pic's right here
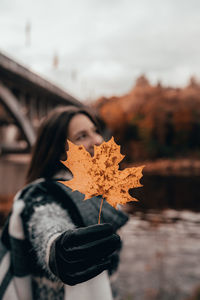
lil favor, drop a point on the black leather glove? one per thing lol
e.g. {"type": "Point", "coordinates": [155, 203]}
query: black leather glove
{"type": "Point", "coordinates": [81, 254]}
{"type": "Point", "coordinates": [114, 260]}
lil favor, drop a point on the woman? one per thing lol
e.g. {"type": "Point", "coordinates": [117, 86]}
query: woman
{"type": "Point", "coordinates": [57, 250]}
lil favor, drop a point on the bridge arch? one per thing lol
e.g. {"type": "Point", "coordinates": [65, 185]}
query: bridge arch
{"type": "Point", "coordinates": [11, 104]}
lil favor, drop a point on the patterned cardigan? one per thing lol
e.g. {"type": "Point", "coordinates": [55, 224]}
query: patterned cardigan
{"type": "Point", "coordinates": [41, 211]}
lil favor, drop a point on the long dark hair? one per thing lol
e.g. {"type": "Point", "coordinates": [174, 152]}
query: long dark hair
{"type": "Point", "coordinates": [51, 140]}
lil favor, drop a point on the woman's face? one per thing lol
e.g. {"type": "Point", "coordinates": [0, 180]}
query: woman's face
{"type": "Point", "coordinates": [82, 131]}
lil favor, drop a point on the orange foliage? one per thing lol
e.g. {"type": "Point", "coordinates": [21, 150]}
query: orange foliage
{"type": "Point", "coordinates": [163, 121]}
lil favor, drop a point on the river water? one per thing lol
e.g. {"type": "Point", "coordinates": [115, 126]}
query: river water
{"type": "Point", "coordinates": [160, 258]}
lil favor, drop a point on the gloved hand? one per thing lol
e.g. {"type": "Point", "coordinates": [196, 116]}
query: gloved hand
{"type": "Point", "coordinates": [81, 254]}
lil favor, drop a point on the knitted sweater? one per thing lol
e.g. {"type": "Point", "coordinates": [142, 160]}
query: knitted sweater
{"type": "Point", "coordinates": [48, 209]}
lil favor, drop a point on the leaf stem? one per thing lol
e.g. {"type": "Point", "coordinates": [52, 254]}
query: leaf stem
{"type": "Point", "coordinates": [100, 210]}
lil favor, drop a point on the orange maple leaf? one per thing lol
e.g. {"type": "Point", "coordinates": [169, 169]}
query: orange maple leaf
{"type": "Point", "coordinates": [100, 174]}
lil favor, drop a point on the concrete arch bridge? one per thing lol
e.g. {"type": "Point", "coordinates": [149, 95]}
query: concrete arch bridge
{"type": "Point", "coordinates": [25, 98]}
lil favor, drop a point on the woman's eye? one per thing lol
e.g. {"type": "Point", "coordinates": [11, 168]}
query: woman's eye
{"type": "Point", "coordinates": [82, 136]}
{"type": "Point", "coordinates": [97, 131]}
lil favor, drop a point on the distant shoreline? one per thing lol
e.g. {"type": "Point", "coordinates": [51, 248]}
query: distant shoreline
{"type": "Point", "coordinates": [169, 167]}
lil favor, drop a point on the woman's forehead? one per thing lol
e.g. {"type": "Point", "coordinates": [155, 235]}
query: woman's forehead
{"type": "Point", "coordinates": [80, 122]}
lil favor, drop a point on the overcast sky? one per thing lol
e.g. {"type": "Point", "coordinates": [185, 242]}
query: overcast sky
{"type": "Point", "coordinates": [104, 45]}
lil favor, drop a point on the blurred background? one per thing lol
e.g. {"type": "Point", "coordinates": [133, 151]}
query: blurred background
{"type": "Point", "coordinates": [137, 64]}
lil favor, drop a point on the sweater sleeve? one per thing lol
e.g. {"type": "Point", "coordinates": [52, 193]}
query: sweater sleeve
{"type": "Point", "coordinates": [44, 219]}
